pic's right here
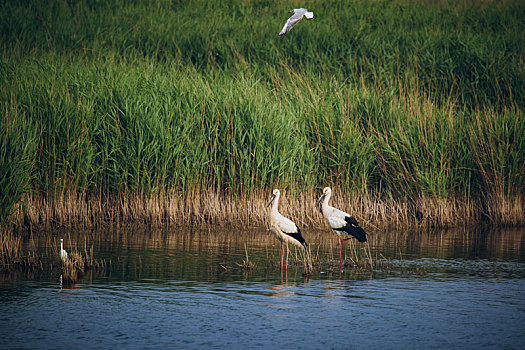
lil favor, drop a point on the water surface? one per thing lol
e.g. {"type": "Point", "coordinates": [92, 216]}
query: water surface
{"type": "Point", "coordinates": [184, 289]}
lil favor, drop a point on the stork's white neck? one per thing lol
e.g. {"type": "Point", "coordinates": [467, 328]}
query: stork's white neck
{"type": "Point", "coordinates": [275, 204]}
{"type": "Point", "coordinates": [325, 207]}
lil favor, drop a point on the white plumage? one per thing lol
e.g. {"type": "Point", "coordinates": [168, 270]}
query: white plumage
{"type": "Point", "coordinates": [63, 253]}
{"type": "Point", "coordinates": [342, 223]}
{"type": "Point", "coordinates": [298, 15]}
{"type": "Point", "coordinates": [283, 228]}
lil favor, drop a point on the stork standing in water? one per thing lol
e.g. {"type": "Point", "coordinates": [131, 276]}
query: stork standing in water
{"type": "Point", "coordinates": [63, 253]}
{"type": "Point", "coordinates": [342, 223]}
{"type": "Point", "coordinates": [283, 228]}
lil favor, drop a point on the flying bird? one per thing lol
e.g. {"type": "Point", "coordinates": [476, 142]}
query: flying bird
{"type": "Point", "coordinates": [342, 223]}
{"type": "Point", "coordinates": [298, 15]}
{"type": "Point", "coordinates": [283, 228]}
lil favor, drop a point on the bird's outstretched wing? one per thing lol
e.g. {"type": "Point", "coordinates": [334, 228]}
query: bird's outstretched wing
{"type": "Point", "coordinates": [287, 26]}
{"type": "Point", "coordinates": [296, 17]}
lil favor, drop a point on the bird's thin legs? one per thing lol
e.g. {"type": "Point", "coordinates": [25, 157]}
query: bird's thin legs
{"type": "Point", "coordinates": [343, 240]}
{"type": "Point", "coordinates": [340, 244]}
{"type": "Point", "coordinates": [340, 255]}
{"type": "Point", "coordinates": [282, 255]}
{"type": "Point", "coordinates": [287, 252]}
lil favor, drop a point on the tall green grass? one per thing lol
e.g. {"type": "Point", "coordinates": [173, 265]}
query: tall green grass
{"type": "Point", "coordinates": [391, 99]}
{"type": "Point", "coordinates": [467, 49]}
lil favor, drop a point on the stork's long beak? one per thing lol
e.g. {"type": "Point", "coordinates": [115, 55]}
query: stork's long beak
{"type": "Point", "coordinates": [319, 200]}
{"type": "Point", "coordinates": [271, 200]}
{"type": "Point", "coordinates": [291, 11]}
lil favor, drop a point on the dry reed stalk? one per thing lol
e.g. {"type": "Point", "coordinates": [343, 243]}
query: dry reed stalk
{"type": "Point", "coordinates": [201, 207]}
{"type": "Point", "coordinates": [76, 265]}
{"type": "Point", "coordinates": [11, 253]}
{"type": "Point", "coordinates": [10, 247]}
{"type": "Point", "coordinates": [246, 264]}
{"type": "Point", "coordinates": [72, 268]}
{"type": "Point", "coordinates": [308, 263]}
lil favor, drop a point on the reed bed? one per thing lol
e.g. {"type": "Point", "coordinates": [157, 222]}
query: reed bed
{"type": "Point", "coordinates": [76, 265]}
{"type": "Point", "coordinates": [188, 113]}
{"type": "Point", "coordinates": [202, 208]}
{"type": "Point", "coordinates": [11, 256]}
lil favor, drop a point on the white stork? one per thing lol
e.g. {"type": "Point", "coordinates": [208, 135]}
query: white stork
{"type": "Point", "coordinates": [298, 15]}
{"type": "Point", "coordinates": [283, 228]}
{"type": "Point", "coordinates": [63, 253]}
{"type": "Point", "coordinates": [342, 223]}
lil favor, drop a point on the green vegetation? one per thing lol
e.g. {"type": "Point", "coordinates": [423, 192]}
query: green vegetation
{"type": "Point", "coordinates": [387, 99]}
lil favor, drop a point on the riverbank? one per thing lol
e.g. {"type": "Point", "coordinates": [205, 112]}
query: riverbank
{"type": "Point", "coordinates": [208, 208]}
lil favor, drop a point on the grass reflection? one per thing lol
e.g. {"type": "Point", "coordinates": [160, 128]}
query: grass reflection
{"type": "Point", "coordinates": [218, 254]}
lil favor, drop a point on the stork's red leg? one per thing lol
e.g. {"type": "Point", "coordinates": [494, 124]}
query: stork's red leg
{"type": "Point", "coordinates": [340, 255]}
{"type": "Point", "coordinates": [282, 255]}
{"type": "Point", "coordinates": [287, 252]}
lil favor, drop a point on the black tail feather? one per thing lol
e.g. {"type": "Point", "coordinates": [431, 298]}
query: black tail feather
{"type": "Point", "coordinates": [352, 228]}
{"type": "Point", "coordinates": [298, 236]}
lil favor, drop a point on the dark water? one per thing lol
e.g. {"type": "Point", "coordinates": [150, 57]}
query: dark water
{"type": "Point", "coordinates": [172, 288]}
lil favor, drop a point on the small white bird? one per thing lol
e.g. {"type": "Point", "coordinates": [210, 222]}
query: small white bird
{"type": "Point", "coordinates": [342, 223]}
{"type": "Point", "coordinates": [63, 253]}
{"type": "Point", "coordinates": [298, 15]}
{"type": "Point", "coordinates": [283, 228]}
